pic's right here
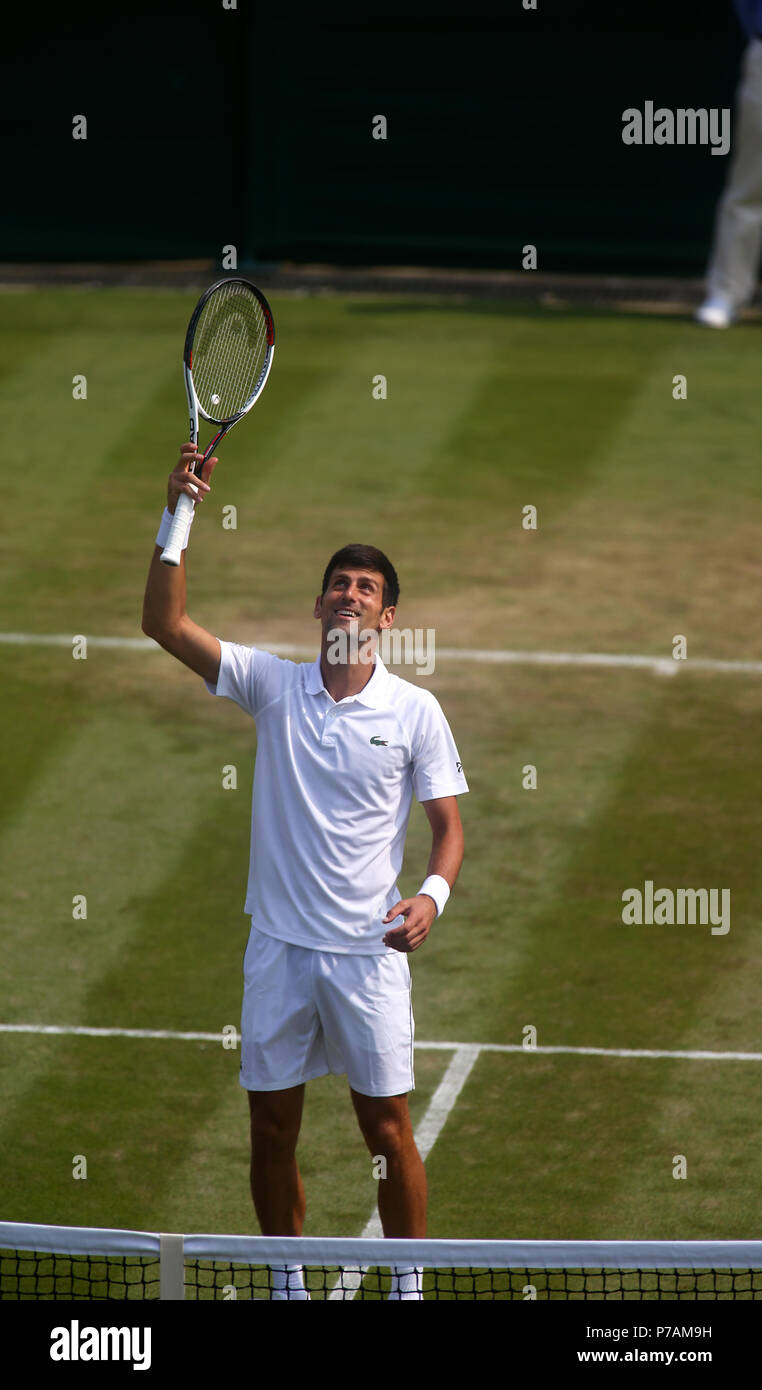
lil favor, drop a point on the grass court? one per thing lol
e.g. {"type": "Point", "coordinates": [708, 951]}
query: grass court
{"type": "Point", "coordinates": [648, 527]}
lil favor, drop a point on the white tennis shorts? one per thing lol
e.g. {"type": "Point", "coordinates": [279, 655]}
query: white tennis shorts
{"type": "Point", "coordinates": [306, 1013]}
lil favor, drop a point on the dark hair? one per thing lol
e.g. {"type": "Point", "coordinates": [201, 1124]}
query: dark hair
{"type": "Point", "coordinates": [366, 557]}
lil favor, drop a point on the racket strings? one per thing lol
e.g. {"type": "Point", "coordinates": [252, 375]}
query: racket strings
{"type": "Point", "coordinates": [229, 351]}
{"type": "Point", "coordinates": [245, 367]}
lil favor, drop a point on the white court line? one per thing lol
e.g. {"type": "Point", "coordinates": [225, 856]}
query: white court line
{"type": "Point", "coordinates": [110, 1032]}
{"type": "Point", "coordinates": [662, 665]}
{"type": "Point", "coordinates": [426, 1136]}
{"type": "Point", "coordinates": [691, 1056]}
{"type": "Point", "coordinates": [58, 639]}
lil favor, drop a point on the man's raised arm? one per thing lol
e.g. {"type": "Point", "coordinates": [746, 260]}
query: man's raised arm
{"type": "Point", "coordinates": [164, 615]}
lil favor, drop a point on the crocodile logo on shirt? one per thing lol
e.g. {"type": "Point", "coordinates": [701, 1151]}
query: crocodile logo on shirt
{"type": "Point", "coordinates": [380, 742]}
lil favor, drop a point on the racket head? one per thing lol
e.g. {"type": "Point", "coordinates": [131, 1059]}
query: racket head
{"type": "Point", "coordinates": [229, 349]}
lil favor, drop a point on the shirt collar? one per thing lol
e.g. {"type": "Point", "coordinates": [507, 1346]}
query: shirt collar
{"type": "Point", "coordinates": [371, 695]}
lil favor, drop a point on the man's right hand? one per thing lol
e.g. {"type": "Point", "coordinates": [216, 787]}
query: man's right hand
{"type": "Point", "coordinates": [182, 479]}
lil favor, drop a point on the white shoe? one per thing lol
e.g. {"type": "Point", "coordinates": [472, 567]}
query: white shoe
{"type": "Point", "coordinates": [287, 1282]}
{"type": "Point", "coordinates": [407, 1284]}
{"type": "Point", "coordinates": [716, 312]}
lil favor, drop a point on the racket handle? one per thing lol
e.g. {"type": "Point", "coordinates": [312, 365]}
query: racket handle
{"type": "Point", "coordinates": [172, 551]}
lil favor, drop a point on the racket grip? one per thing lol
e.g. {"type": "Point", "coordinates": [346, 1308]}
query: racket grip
{"type": "Point", "coordinates": [172, 551]}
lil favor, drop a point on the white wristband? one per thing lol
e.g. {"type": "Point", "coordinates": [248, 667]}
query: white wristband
{"type": "Point", "coordinates": [166, 522]}
{"type": "Point", "coordinates": [437, 888]}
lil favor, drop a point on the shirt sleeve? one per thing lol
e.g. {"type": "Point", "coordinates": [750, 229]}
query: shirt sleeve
{"type": "Point", "coordinates": [248, 676]}
{"type": "Point", "coordinates": [437, 768]}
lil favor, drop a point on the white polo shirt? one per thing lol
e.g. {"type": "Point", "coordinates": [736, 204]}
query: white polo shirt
{"type": "Point", "coordinates": [333, 787]}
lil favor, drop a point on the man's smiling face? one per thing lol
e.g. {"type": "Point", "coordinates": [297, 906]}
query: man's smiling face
{"type": "Point", "coordinates": [354, 596]}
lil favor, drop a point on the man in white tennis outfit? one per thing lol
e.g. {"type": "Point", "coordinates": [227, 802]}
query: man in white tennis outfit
{"type": "Point", "coordinates": [342, 747]}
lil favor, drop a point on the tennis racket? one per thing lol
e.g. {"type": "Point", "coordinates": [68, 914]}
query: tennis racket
{"type": "Point", "coordinates": [228, 354]}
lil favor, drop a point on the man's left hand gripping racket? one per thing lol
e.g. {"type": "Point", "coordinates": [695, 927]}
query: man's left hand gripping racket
{"type": "Point", "coordinates": [228, 354]}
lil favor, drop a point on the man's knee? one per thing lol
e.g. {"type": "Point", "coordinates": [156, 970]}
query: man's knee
{"type": "Point", "coordinates": [385, 1124]}
{"type": "Point", "coordinates": [275, 1122]}
{"type": "Point", "coordinates": [388, 1137]}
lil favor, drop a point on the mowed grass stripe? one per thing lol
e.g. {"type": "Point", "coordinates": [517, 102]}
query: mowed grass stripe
{"type": "Point", "coordinates": [568, 1148]}
{"type": "Point", "coordinates": [679, 811]}
{"type": "Point", "coordinates": [34, 733]}
{"type": "Point", "coordinates": [15, 349]}
{"type": "Point", "coordinates": [102, 820]}
{"type": "Point", "coordinates": [513, 446]}
{"type": "Point", "coordinates": [161, 851]}
{"type": "Point", "coordinates": [540, 432]}
{"type": "Point", "coordinates": [702, 986]}
{"type": "Point", "coordinates": [127, 348]}
{"type": "Point", "coordinates": [636, 779]}
{"type": "Point", "coordinates": [58, 440]}
{"type": "Point", "coordinates": [58, 556]}
{"type": "Point", "coordinates": [128, 1111]}
{"type": "Point", "coordinates": [629, 548]}
{"type": "Point", "coordinates": [165, 931]}
{"type": "Point", "coordinates": [686, 1112]}
{"type": "Point", "coordinates": [663, 539]}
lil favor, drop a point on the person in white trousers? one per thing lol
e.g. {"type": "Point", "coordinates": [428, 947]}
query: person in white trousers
{"type": "Point", "coordinates": [731, 276]}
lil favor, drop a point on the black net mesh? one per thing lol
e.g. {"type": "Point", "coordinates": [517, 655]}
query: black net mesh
{"type": "Point", "coordinates": [26, 1274]}
{"type": "Point", "coordinates": [42, 1275]}
{"type": "Point", "coordinates": [211, 1279]}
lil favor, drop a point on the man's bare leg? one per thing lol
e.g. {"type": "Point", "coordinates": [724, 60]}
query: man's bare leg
{"type": "Point", "coordinates": [276, 1184]}
{"type": "Point", "coordinates": [386, 1128]}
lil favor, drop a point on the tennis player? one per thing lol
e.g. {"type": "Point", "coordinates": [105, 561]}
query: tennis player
{"type": "Point", "coordinates": [342, 746]}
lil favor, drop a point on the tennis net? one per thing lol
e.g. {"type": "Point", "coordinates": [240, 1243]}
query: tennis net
{"type": "Point", "coordinates": [81, 1263]}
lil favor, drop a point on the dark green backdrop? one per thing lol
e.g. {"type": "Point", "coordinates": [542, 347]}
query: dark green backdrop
{"type": "Point", "coordinates": [252, 126]}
